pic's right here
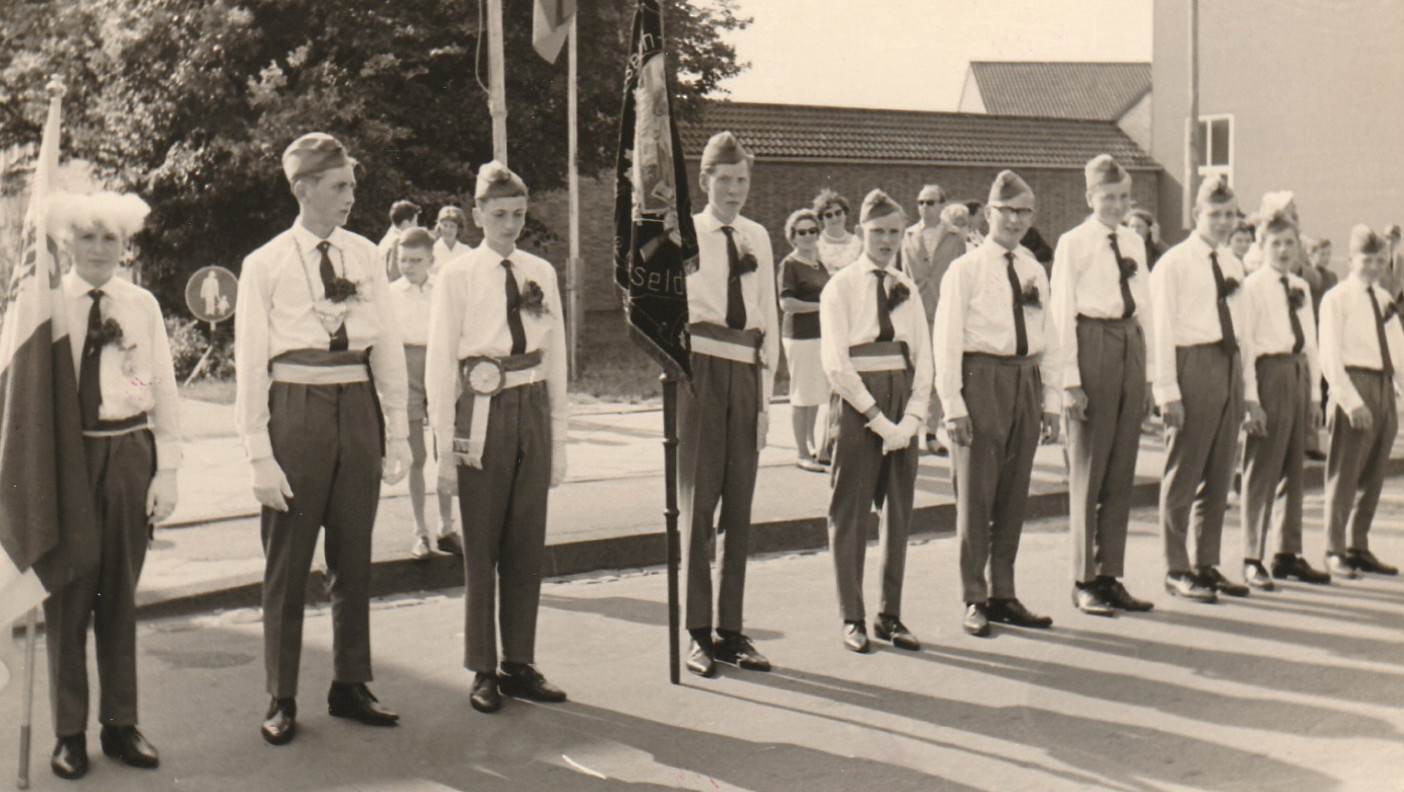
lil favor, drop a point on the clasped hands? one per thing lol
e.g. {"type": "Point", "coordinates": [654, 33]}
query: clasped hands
{"type": "Point", "coordinates": [895, 436]}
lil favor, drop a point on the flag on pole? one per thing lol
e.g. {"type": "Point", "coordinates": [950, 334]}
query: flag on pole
{"type": "Point", "coordinates": [48, 530]}
{"type": "Point", "coordinates": [550, 24]}
{"type": "Point", "coordinates": [655, 244]}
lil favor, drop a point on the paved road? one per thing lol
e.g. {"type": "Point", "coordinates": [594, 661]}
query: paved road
{"type": "Point", "coordinates": [1302, 689]}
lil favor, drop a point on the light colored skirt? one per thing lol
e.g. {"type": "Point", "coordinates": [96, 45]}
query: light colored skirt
{"type": "Point", "coordinates": [808, 385]}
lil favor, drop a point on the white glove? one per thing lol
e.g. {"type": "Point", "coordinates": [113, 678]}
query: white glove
{"type": "Point", "coordinates": [161, 497]}
{"type": "Point", "coordinates": [887, 430]}
{"type": "Point", "coordinates": [397, 461]}
{"type": "Point", "coordinates": [448, 475]}
{"type": "Point", "coordinates": [270, 486]}
{"type": "Point", "coordinates": [762, 429]}
{"type": "Point", "coordinates": [558, 464]}
{"type": "Point", "coordinates": [906, 430]}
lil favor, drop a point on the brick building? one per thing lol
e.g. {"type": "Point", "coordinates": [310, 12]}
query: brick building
{"type": "Point", "coordinates": [800, 149]}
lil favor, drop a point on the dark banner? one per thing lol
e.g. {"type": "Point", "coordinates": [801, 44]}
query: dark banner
{"type": "Point", "coordinates": [655, 244]}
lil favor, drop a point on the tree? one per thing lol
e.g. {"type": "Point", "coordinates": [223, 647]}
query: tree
{"type": "Point", "coordinates": [191, 102]}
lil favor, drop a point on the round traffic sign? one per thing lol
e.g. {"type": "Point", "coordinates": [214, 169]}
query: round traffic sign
{"type": "Point", "coordinates": [211, 294]}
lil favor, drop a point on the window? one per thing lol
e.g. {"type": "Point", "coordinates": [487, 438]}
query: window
{"type": "Point", "coordinates": [1216, 154]}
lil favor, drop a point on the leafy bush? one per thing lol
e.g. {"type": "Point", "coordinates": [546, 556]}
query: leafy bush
{"type": "Point", "coordinates": [189, 340]}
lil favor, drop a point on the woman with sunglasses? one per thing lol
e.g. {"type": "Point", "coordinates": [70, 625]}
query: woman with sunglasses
{"type": "Point", "coordinates": [837, 247]}
{"type": "Point", "coordinates": [802, 278]}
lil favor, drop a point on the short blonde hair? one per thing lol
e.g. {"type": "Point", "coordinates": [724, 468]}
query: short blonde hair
{"type": "Point", "coordinates": [124, 213]}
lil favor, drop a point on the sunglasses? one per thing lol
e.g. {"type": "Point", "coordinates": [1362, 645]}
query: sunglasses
{"type": "Point", "coordinates": [832, 213]}
{"type": "Point", "coordinates": [806, 232]}
{"type": "Point", "coordinates": [927, 202]}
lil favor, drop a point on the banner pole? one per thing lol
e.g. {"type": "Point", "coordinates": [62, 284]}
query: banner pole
{"type": "Point", "coordinates": [30, 627]}
{"type": "Point", "coordinates": [670, 516]}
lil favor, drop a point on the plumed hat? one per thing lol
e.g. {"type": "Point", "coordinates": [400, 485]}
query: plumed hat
{"type": "Point", "coordinates": [496, 180]}
{"type": "Point", "coordinates": [1364, 239]}
{"type": "Point", "coordinates": [1214, 190]}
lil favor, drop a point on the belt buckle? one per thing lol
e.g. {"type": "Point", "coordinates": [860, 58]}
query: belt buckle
{"type": "Point", "coordinates": [485, 377]}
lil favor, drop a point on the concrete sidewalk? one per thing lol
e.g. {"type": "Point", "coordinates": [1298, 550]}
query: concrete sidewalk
{"type": "Point", "coordinates": [1299, 690]}
{"type": "Point", "coordinates": [608, 514]}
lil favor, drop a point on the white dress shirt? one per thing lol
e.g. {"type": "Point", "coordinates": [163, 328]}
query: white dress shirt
{"type": "Point", "coordinates": [976, 315]}
{"type": "Point", "coordinates": [839, 253]}
{"type": "Point", "coordinates": [443, 254]}
{"type": "Point", "coordinates": [848, 315]}
{"type": "Point", "coordinates": [412, 304]}
{"type": "Point", "coordinates": [1349, 339]}
{"type": "Point", "coordinates": [386, 247]}
{"type": "Point", "coordinates": [706, 288]}
{"type": "Point", "coordinates": [278, 289]}
{"type": "Point", "coordinates": [1087, 282]}
{"type": "Point", "coordinates": [138, 376]}
{"type": "Point", "coordinates": [1267, 327]}
{"type": "Point", "coordinates": [1185, 307]}
{"type": "Point", "coordinates": [469, 319]}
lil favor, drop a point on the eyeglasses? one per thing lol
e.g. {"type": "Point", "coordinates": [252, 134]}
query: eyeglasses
{"type": "Point", "coordinates": [927, 202]}
{"type": "Point", "coordinates": [832, 213]}
{"type": "Point", "coordinates": [1014, 212]}
{"type": "Point", "coordinates": [806, 232]}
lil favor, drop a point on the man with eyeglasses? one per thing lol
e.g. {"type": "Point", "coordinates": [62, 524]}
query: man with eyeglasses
{"type": "Point", "coordinates": [928, 248]}
{"type": "Point", "coordinates": [997, 366]}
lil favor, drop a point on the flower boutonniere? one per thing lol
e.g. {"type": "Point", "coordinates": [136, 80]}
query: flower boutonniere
{"type": "Point", "coordinates": [533, 299]}
{"type": "Point", "coordinates": [1128, 267]}
{"type": "Point", "coordinates": [1296, 298]}
{"type": "Point", "coordinates": [897, 295]}
{"type": "Point", "coordinates": [746, 264]}
{"type": "Point", "coordinates": [1230, 286]}
{"type": "Point", "coordinates": [1030, 297]}
{"type": "Point", "coordinates": [1390, 310]}
{"type": "Point", "coordinates": [342, 290]}
{"type": "Point", "coordinates": [109, 333]}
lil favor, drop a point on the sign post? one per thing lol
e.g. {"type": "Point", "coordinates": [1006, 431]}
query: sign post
{"type": "Point", "coordinates": [210, 294]}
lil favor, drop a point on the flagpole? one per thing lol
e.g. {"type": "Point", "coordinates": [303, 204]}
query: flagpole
{"type": "Point", "coordinates": [670, 520]}
{"type": "Point", "coordinates": [573, 263]}
{"type": "Point", "coordinates": [30, 620]}
{"type": "Point", "coordinates": [497, 84]}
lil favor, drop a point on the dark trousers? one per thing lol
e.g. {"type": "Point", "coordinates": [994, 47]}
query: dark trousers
{"type": "Point", "coordinates": [503, 507]}
{"type": "Point", "coordinates": [1102, 450]}
{"type": "Point", "coordinates": [991, 475]}
{"type": "Point", "coordinates": [1200, 459]}
{"type": "Point", "coordinates": [1356, 462]}
{"type": "Point", "coordinates": [717, 459]}
{"type": "Point", "coordinates": [1273, 463]}
{"type": "Point", "coordinates": [865, 478]}
{"type": "Point", "coordinates": [120, 470]}
{"type": "Point", "coordinates": [327, 440]}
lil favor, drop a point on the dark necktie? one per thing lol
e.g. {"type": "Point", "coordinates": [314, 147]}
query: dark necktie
{"type": "Point", "coordinates": [1298, 336]}
{"type": "Point", "coordinates": [885, 331]}
{"type": "Point", "coordinates": [1021, 333]}
{"type": "Point", "coordinates": [1229, 339]}
{"type": "Point", "coordinates": [1386, 362]}
{"type": "Point", "coordinates": [735, 302]}
{"type": "Point", "coordinates": [1123, 266]}
{"type": "Point", "coordinates": [514, 310]}
{"type": "Point", "coordinates": [339, 342]}
{"type": "Point", "coordinates": [89, 375]}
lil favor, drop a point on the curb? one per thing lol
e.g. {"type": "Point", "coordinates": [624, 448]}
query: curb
{"type": "Point", "coordinates": [404, 575]}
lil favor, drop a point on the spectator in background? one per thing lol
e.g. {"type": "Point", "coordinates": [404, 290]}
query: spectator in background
{"type": "Point", "coordinates": [1143, 223]}
{"type": "Point", "coordinates": [1319, 256]}
{"type": "Point", "coordinates": [979, 225]}
{"type": "Point", "coordinates": [802, 278]}
{"type": "Point", "coordinates": [1034, 242]}
{"type": "Point", "coordinates": [1241, 240]}
{"type": "Point", "coordinates": [837, 247]}
{"type": "Point", "coordinates": [1392, 276]}
{"type": "Point", "coordinates": [928, 248]}
{"type": "Point", "coordinates": [404, 215]}
{"type": "Point", "coordinates": [449, 247]}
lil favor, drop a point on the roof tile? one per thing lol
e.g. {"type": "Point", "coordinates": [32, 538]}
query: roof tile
{"type": "Point", "coordinates": [1102, 91]}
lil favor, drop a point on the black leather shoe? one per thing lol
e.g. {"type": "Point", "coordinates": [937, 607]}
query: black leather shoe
{"type": "Point", "coordinates": [525, 682]}
{"type": "Point", "coordinates": [1212, 578]}
{"type": "Point", "coordinates": [1365, 561]}
{"type": "Point", "coordinates": [1256, 575]}
{"type": "Point", "coordinates": [855, 637]}
{"type": "Point", "coordinates": [1089, 599]}
{"type": "Point", "coordinates": [891, 628]}
{"type": "Point", "coordinates": [355, 701]}
{"type": "Point", "coordinates": [485, 696]}
{"type": "Point", "coordinates": [70, 759]}
{"type": "Point", "coordinates": [736, 649]}
{"type": "Point", "coordinates": [1118, 597]}
{"type": "Point", "coordinates": [280, 724]}
{"type": "Point", "coordinates": [1013, 612]}
{"type": "Point", "coordinates": [701, 659]}
{"type": "Point", "coordinates": [1188, 585]}
{"type": "Point", "coordinates": [1293, 567]}
{"type": "Point", "coordinates": [1341, 566]}
{"type": "Point", "coordinates": [129, 745]}
{"type": "Point", "coordinates": [976, 621]}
